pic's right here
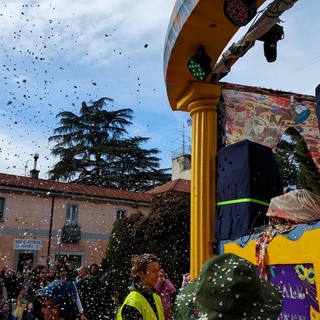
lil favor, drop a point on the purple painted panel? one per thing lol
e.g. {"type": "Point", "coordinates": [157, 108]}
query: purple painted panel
{"type": "Point", "coordinates": [298, 288]}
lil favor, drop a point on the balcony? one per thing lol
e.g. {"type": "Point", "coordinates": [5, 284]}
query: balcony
{"type": "Point", "coordinates": [71, 234]}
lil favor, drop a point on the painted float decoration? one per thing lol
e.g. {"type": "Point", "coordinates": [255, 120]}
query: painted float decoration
{"type": "Point", "coordinates": [288, 251]}
{"type": "Point", "coordinates": [261, 115]}
{"type": "Point", "coordinates": [293, 261]}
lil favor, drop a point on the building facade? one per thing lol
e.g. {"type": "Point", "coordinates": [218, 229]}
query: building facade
{"type": "Point", "coordinates": [42, 220]}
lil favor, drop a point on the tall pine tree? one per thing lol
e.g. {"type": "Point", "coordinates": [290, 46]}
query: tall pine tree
{"type": "Point", "coordinates": [94, 149]}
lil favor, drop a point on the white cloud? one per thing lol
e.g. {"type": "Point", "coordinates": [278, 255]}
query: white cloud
{"type": "Point", "coordinates": [97, 49]}
{"type": "Point", "coordinates": [59, 54]}
{"type": "Point", "coordinates": [297, 63]}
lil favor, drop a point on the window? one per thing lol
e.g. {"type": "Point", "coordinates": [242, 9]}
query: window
{"type": "Point", "coordinates": [2, 201]}
{"type": "Point", "coordinates": [72, 215]}
{"type": "Point", "coordinates": [186, 162]}
{"type": "Point", "coordinates": [121, 214]}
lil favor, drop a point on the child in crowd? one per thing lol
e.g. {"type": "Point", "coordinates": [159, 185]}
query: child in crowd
{"type": "Point", "coordinates": [6, 311]}
{"type": "Point", "coordinates": [28, 314]}
{"type": "Point", "coordinates": [56, 301]}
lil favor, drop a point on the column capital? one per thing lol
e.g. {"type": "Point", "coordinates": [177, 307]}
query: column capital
{"type": "Point", "coordinates": [199, 94]}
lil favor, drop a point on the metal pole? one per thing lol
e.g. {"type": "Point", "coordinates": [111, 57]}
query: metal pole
{"type": "Point", "coordinates": [50, 230]}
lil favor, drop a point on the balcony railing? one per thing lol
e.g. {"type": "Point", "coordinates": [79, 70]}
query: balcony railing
{"type": "Point", "coordinates": [71, 234]}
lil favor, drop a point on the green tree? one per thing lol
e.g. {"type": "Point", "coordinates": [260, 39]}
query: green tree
{"type": "Point", "coordinates": [308, 175]}
{"type": "Point", "coordinates": [94, 149]}
{"type": "Point", "coordinates": [125, 241]}
{"type": "Point", "coordinates": [296, 165]}
{"type": "Point", "coordinates": [165, 232]}
{"type": "Point", "coordinates": [135, 168]}
{"type": "Point", "coordinates": [286, 161]}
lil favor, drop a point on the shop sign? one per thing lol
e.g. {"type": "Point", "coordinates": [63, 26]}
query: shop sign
{"type": "Point", "coordinates": [27, 244]}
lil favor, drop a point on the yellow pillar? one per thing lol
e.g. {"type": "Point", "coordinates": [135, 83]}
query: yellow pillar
{"type": "Point", "coordinates": [200, 99]}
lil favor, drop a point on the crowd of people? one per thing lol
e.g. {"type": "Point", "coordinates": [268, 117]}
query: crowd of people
{"type": "Point", "coordinates": [228, 287]}
{"type": "Point", "coordinates": [83, 293]}
{"type": "Point", "coordinates": [86, 293]}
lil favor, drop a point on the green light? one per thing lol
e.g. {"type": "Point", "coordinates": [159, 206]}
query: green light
{"type": "Point", "coordinates": [199, 64]}
{"type": "Point", "coordinates": [196, 70]}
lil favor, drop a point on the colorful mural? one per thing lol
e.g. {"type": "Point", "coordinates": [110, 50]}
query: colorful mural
{"type": "Point", "coordinates": [294, 260]}
{"type": "Point", "coordinates": [262, 116]}
{"type": "Point", "coordinates": [298, 287]}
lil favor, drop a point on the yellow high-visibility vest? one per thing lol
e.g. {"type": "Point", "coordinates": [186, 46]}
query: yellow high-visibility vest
{"type": "Point", "coordinates": [138, 301]}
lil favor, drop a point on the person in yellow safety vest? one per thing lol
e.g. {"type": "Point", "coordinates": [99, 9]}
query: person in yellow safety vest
{"type": "Point", "coordinates": [142, 303]}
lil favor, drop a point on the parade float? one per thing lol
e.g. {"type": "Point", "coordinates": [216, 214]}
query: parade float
{"type": "Point", "coordinates": [251, 216]}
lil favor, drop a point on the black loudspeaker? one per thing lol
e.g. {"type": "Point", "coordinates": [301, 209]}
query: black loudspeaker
{"type": "Point", "coordinates": [247, 179]}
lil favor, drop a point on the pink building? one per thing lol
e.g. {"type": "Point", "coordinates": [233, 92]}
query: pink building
{"type": "Point", "coordinates": [42, 219]}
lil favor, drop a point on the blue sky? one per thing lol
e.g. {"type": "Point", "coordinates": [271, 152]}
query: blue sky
{"type": "Point", "coordinates": [298, 61]}
{"type": "Point", "coordinates": [55, 56]}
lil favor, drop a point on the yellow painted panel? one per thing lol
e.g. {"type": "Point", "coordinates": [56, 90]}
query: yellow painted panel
{"type": "Point", "coordinates": [282, 250]}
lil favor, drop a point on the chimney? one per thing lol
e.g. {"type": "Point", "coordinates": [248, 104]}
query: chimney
{"type": "Point", "coordinates": [34, 173]}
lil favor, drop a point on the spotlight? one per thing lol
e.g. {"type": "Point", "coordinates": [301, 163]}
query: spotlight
{"type": "Point", "coordinates": [298, 111]}
{"type": "Point", "coordinates": [270, 39]}
{"type": "Point", "coordinates": [240, 12]}
{"type": "Point", "coordinates": [199, 64]}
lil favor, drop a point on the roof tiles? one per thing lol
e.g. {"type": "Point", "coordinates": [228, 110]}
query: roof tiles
{"type": "Point", "coordinates": [71, 188]}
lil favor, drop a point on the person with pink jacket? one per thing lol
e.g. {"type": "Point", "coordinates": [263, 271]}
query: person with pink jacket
{"type": "Point", "coordinates": [165, 289]}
